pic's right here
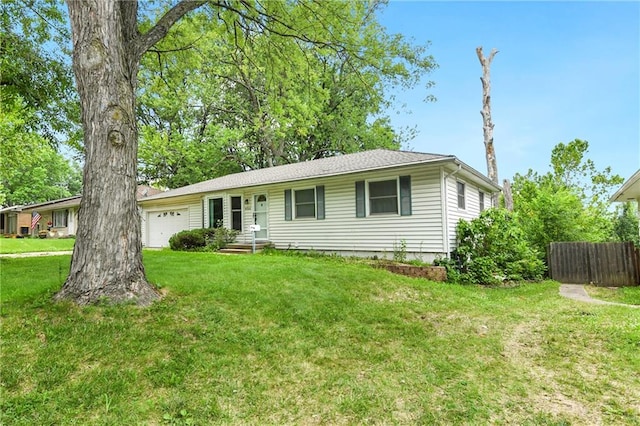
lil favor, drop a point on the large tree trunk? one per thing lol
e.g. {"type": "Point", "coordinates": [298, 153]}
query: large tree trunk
{"type": "Point", "coordinates": [487, 123]}
{"type": "Point", "coordinates": [107, 257]}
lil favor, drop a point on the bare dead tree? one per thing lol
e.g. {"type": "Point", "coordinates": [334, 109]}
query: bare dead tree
{"type": "Point", "coordinates": [487, 125]}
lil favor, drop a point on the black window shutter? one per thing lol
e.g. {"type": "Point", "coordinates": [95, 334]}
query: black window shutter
{"type": "Point", "coordinates": [405, 195]}
{"type": "Point", "coordinates": [360, 201]}
{"type": "Point", "coordinates": [320, 202]}
{"type": "Point", "coordinates": [287, 204]}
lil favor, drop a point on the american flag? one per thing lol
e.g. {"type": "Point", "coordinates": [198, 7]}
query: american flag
{"type": "Point", "coordinates": [35, 218]}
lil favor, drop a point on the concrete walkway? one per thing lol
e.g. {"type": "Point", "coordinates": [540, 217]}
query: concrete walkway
{"type": "Point", "coordinates": [36, 254]}
{"type": "Point", "coordinates": [577, 292]}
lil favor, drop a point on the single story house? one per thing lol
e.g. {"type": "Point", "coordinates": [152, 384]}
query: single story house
{"type": "Point", "coordinates": [60, 217]}
{"type": "Point", "coordinates": [364, 204]}
{"type": "Point", "coordinates": [13, 221]}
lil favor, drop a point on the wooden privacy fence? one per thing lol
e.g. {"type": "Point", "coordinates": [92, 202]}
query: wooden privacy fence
{"type": "Point", "coordinates": [602, 264]}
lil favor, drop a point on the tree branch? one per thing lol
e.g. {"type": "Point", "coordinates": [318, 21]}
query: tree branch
{"type": "Point", "coordinates": [145, 41]}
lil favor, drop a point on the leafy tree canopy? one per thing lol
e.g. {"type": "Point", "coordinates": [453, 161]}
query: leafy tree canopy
{"type": "Point", "coordinates": [568, 203]}
{"type": "Point", "coordinates": [35, 68]}
{"type": "Point", "coordinates": [233, 89]}
{"type": "Point", "coordinates": [31, 170]}
{"type": "Point", "coordinates": [625, 223]}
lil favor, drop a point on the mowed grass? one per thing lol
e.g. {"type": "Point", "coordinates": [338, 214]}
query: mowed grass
{"type": "Point", "coordinates": [26, 245]}
{"type": "Point", "coordinates": [628, 295]}
{"type": "Point", "coordinates": [288, 340]}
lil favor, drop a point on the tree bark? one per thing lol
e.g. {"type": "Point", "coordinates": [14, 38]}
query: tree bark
{"type": "Point", "coordinates": [508, 196]}
{"type": "Point", "coordinates": [107, 258]}
{"type": "Point", "coordinates": [487, 123]}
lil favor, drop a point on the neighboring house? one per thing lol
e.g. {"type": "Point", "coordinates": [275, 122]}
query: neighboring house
{"type": "Point", "coordinates": [367, 203]}
{"type": "Point", "coordinates": [13, 221]}
{"type": "Point", "coordinates": [60, 217]}
{"type": "Point", "coordinates": [629, 191]}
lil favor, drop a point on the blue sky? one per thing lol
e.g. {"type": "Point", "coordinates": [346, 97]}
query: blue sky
{"type": "Point", "coordinates": [564, 70]}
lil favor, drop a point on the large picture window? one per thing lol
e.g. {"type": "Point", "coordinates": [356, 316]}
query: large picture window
{"type": "Point", "coordinates": [383, 197]}
{"type": "Point", "coordinates": [60, 218]}
{"type": "Point", "coordinates": [305, 202]}
{"type": "Point", "coordinates": [216, 215]}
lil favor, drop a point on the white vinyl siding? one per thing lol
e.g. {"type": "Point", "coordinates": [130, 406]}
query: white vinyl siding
{"type": "Point", "coordinates": [471, 206]}
{"type": "Point", "coordinates": [342, 231]}
{"type": "Point", "coordinates": [428, 228]}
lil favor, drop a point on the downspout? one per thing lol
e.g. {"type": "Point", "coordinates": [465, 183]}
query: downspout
{"type": "Point", "coordinates": [445, 207]}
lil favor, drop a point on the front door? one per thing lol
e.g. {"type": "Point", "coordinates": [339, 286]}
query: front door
{"type": "Point", "coordinates": [260, 215]}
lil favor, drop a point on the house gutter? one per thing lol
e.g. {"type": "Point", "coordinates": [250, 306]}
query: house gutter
{"type": "Point", "coordinates": [445, 204]}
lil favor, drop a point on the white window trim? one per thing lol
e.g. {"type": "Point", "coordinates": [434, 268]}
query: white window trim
{"type": "Point", "coordinates": [464, 195]}
{"type": "Point", "coordinates": [53, 218]}
{"type": "Point", "coordinates": [368, 198]}
{"type": "Point", "coordinates": [294, 213]}
{"type": "Point", "coordinates": [225, 203]}
{"type": "Point", "coordinates": [241, 211]}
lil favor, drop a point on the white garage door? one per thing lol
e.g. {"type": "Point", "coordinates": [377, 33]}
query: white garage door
{"type": "Point", "coordinates": [163, 224]}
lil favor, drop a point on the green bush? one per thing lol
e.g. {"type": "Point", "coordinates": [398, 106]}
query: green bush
{"type": "Point", "coordinates": [492, 248]}
{"type": "Point", "coordinates": [204, 239]}
{"type": "Point", "coordinates": [221, 237]}
{"type": "Point", "coordinates": [452, 267]}
{"type": "Point", "coordinates": [188, 240]}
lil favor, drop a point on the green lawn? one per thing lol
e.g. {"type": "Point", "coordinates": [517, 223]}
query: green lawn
{"type": "Point", "coordinates": [628, 295]}
{"type": "Point", "coordinates": [288, 340]}
{"type": "Point", "coordinates": [25, 245]}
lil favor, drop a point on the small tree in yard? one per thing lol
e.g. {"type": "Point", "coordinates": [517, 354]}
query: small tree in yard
{"type": "Point", "coordinates": [568, 203]}
{"type": "Point", "coordinates": [492, 249]}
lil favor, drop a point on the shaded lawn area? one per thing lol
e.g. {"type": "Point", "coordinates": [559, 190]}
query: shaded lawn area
{"type": "Point", "coordinates": [29, 245]}
{"type": "Point", "coordinates": [277, 339]}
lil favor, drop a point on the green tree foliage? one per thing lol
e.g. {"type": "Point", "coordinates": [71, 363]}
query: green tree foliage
{"type": "Point", "coordinates": [35, 68]}
{"type": "Point", "coordinates": [31, 170]}
{"type": "Point", "coordinates": [493, 248]}
{"type": "Point", "coordinates": [625, 223]}
{"type": "Point", "coordinates": [568, 203]}
{"type": "Point", "coordinates": [38, 104]}
{"type": "Point", "coordinates": [229, 90]}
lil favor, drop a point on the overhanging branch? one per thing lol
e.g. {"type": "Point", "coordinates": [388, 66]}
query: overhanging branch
{"type": "Point", "coordinates": [145, 41]}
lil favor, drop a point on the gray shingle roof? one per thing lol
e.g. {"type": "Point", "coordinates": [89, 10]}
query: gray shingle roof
{"type": "Point", "coordinates": [342, 164]}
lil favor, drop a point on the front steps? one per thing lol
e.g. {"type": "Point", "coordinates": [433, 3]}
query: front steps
{"type": "Point", "coordinates": [243, 248]}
